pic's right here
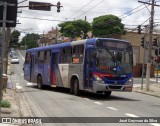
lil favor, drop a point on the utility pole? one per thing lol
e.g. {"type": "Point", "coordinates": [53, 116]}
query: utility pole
{"type": "Point", "coordinates": [8, 36]}
{"type": "Point", "coordinates": [150, 42]}
{"type": "Point", "coordinates": [44, 39]}
{"type": "Point", "coordinates": [56, 34]}
{"type": "Point", "coordinates": [150, 47]}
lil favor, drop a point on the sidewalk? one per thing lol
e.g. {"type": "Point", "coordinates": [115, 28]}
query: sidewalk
{"type": "Point", "coordinates": [10, 95]}
{"type": "Point", "coordinates": [154, 90]}
{"type": "Point", "coordinates": [14, 111]}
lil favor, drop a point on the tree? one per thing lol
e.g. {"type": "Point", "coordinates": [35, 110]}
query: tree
{"type": "Point", "coordinates": [14, 37]}
{"type": "Point", "coordinates": [73, 29]}
{"type": "Point", "coordinates": [105, 26]}
{"type": "Point", "coordinates": [30, 40]}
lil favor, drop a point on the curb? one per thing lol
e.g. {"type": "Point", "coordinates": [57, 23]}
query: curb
{"type": "Point", "coordinates": [147, 93]}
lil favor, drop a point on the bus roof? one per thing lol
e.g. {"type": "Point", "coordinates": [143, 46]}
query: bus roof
{"type": "Point", "coordinates": [50, 47]}
{"type": "Point", "coordinates": [90, 41]}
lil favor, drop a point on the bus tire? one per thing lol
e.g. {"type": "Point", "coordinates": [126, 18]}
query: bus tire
{"type": "Point", "coordinates": [107, 93]}
{"type": "Point", "coordinates": [39, 82]}
{"type": "Point", "coordinates": [72, 87]}
{"type": "Point", "coordinates": [76, 87]}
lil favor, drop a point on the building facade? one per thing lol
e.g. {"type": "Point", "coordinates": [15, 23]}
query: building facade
{"type": "Point", "coordinates": [139, 54]}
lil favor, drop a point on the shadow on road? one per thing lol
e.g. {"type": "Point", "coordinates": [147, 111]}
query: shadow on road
{"type": "Point", "coordinates": [91, 96]}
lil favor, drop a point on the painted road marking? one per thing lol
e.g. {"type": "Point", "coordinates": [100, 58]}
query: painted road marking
{"type": "Point", "coordinates": [21, 55]}
{"type": "Point", "coordinates": [131, 115]}
{"type": "Point", "coordinates": [112, 108]}
{"type": "Point", "coordinates": [99, 103]}
{"type": "Point", "coordinates": [155, 124]}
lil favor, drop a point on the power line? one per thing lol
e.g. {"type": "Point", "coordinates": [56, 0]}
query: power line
{"type": "Point", "coordinates": [43, 14]}
{"type": "Point", "coordinates": [22, 1]}
{"type": "Point", "coordinates": [135, 12]}
{"type": "Point", "coordinates": [41, 19]}
{"type": "Point", "coordinates": [145, 21]}
{"type": "Point", "coordinates": [131, 10]}
{"type": "Point", "coordinates": [81, 8]}
{"type": "Point", "coordinates": [90, 8]}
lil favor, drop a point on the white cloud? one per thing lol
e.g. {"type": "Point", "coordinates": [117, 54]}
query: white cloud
{"type": "Point", "coordinates": [72, 10]}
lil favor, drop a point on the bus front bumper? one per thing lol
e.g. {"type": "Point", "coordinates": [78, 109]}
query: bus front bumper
{"type": "Point", "coordinates": [99, 87]}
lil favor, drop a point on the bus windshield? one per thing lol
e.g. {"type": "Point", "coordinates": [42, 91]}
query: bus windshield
{"type": "Point", "coordinates": [114, 61]}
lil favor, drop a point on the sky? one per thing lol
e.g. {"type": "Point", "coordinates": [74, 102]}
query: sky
{"type": "Point", "coordinates": [131, 12]}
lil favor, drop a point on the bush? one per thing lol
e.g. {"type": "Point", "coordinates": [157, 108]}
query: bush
{"type": "Point", "coordinates": [5, 104]}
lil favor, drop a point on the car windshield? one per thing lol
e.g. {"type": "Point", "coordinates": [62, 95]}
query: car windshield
{"type": "Point", "coordinates": [14, 57]}
{"type": "Point", "coordinates": [113, 61]}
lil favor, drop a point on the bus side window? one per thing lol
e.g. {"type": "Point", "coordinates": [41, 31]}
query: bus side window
{"type": "Point", "coordinates": [28, 58]}
{"type": "Point", "coordinates": [36, 58]}
{"type": "Point", "coordinates": [47, 56]}
{"type": "Point", "coordinates": [61, 55]}
{"type": "Point", "coordinates": [66, 55]}
{"type": "Point", "coordinates": [40, 57]}
{"type": "Point", "coordinates": [78, 52]}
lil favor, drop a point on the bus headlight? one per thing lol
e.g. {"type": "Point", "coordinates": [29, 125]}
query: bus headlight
{"type": "Point", "coordinates": [130, 81]}
{"type": "Point", "coordinates": [98, 79]}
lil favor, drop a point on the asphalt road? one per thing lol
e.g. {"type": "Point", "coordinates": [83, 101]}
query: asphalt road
{"type": "Point", "coordinates": [53, 102]}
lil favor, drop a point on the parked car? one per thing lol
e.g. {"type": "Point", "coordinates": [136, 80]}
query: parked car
{"type": "Point", "coordinates": [13, 54]}
{"type": "Point", "coordinates": [14, 59]}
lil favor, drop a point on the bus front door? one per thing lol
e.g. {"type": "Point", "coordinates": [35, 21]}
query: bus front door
{"type": "Point", "coordinates": [27, 67]}
{"type": "Point", "coordinates": [32, 78]}
{"type": "Point", "coordinates": [88, 71]}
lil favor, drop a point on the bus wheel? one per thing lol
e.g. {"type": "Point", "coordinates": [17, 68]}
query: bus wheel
{"type": "Point", "coordinates": [107, 93]}
{"type": "Point", "coordinates": [76, 87]}
{"type": "Point", "coordinates": [39, 82]}
{"type": "Point", "coordinates": [72, 88]}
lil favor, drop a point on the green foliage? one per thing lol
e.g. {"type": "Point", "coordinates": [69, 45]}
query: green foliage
{"type": "Point", "coordinates": [107, 25]}
{"type": "Point", "coordinates": [73, 29]}
{"type": "Point", "coordinates": [5, 104]}
{"type": "Point", "coordinates": [14, 37]}
{"type": "Point", "coordinates": [30, 40]}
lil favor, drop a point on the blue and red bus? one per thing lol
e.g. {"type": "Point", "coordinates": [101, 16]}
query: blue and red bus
{"type": "Point", "coordinates": [98, 65]}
